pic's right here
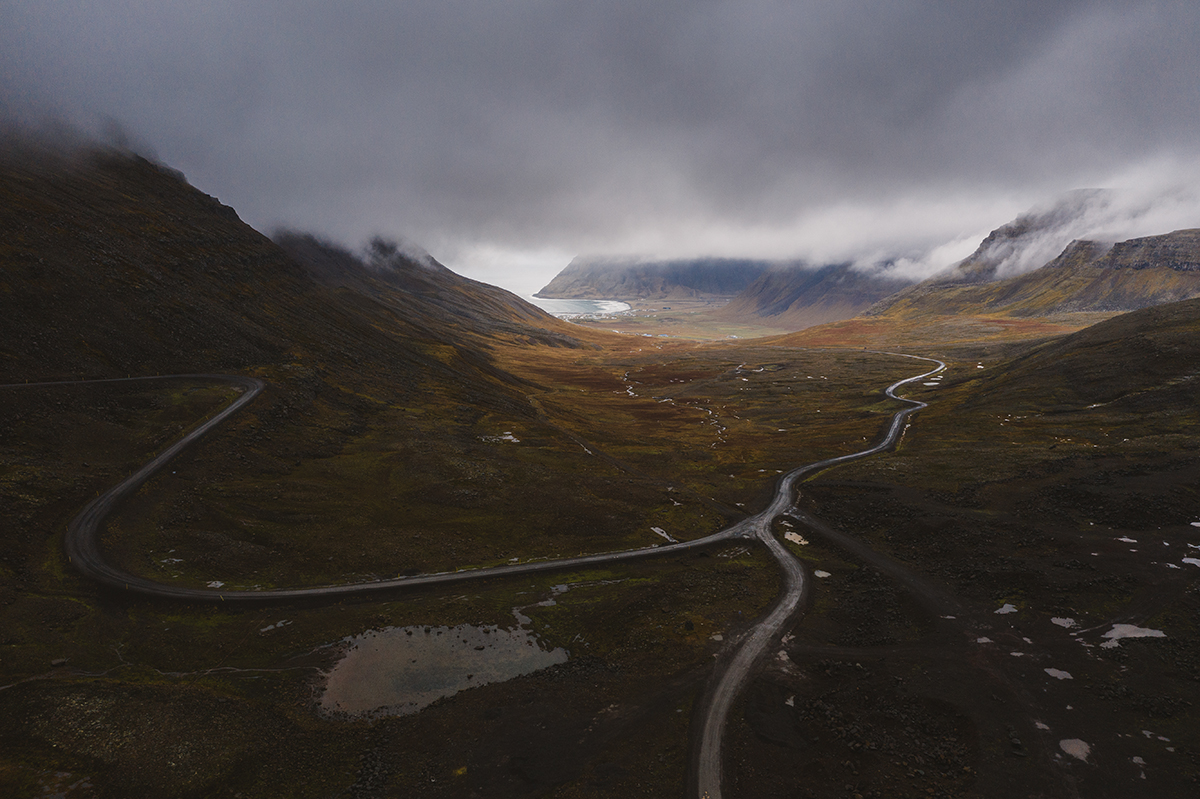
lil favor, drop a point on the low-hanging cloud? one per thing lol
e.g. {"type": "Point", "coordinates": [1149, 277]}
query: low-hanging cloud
{"type": "Point", "coordinates": [490, 133]}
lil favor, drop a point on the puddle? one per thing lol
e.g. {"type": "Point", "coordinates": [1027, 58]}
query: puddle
{"type": "Point", "coordinates": [397, 671]}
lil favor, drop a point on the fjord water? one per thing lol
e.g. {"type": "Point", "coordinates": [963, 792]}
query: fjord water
{"type": "Point", "coordinates": [566, 309]}
{"type": "Point", "coordinates": [395, 671]}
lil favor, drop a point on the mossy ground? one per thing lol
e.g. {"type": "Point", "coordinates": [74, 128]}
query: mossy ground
{"type": "Point", "coordinates": [337, 480]}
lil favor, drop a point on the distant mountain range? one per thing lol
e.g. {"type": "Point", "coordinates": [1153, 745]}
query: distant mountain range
{"type": "Point", "coordinates": [1038, 265]}
{"type": "Point", "coordinates": [597, 278]}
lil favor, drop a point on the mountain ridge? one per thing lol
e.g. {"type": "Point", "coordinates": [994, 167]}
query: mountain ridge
{"type": "Point", "coordinates": [1086, 277]}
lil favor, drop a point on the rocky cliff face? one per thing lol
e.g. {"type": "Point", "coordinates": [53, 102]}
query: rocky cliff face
{"type": "Point", "coordinates": [1030, 240]}
{"type": "Point", "coordinates": [1086, 277]}
{"type": "Point", "coordinates": [591, 278]}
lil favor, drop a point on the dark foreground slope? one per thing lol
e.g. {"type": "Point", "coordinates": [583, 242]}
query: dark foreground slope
{"type": "Point", "coordinates": [1143, 361]}
{"type": "Point", "coordinates": [1055, 493]}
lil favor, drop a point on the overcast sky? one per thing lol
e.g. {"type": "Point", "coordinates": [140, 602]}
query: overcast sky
{"type": "Point", "coordinates": [507, 137]}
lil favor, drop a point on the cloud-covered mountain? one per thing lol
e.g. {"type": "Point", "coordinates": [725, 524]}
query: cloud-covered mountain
{"type": "Point", "coordinates": [599, 278]}
{"type": "Point", "coordinates": [1087, 277]}
{"type": "Point", "coordinates": [116, 265]}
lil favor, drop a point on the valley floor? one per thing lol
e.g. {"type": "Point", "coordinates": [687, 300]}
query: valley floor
{"type": "Point", "coordinates": [1078, 520]}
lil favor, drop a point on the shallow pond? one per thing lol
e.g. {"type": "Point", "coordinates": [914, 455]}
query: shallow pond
{"type": "Point", "coordinates": [399, 670]}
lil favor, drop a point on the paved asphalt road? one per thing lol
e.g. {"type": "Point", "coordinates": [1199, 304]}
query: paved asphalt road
{"type": "Point", "coordinates": [733, 667]}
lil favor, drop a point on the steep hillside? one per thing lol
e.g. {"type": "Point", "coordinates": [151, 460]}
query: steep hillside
{"type": "Point", "coordinates": [1087, 277]}
{"type": "Point", "coordinates": [1147, 361]}
{"type": "Point", "coordinates": [630, 279]}
{"type": "Point", "coordinates": [114, 265]}
{"type": "Point", "coordinates": [797, 296]}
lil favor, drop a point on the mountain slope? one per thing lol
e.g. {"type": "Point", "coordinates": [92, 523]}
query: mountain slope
{"type": "Point", "coordinates": [1030, 240]}
{"type": "Point", "coordinates": [1087, 277]}
{"type": "Point", "coordinates": [113, 265]}
{"type": "Point", "coordinates": [798, 296]}
{"type": "Point", "coordinates": [1147, 361]}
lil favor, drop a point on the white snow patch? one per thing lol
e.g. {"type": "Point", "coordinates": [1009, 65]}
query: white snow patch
{"type": "Point", "coordinates": [215, 584]}
{"type": "Point", "coordinates": [276, 625]}
{"type": "Point", "coordinates": [1064, 622]}
{"type": "Point", "coordinates": [717, 637]}
{"type": "Point", "coordinates": [1007, 608]}
{"type": "Point", "coordinates": [1075, 748]}
{"type": "Point", "coordinates": [1193, 561]}
{"type": "Point", "coordinates": [1059, 674]}
{"type": "Point", "coordinates": [1120, 631]}
{"type": "Point", "coordinates": [1195, 524]}
{"type": "Point", "coordinates": [663, 533]}
{"type": "Point", "coordinates": [1127, 539]}
{"type": "Point", "coordinates": [983, 639]}
{"type": "Point", "coordinates": [796, 538]}
{"type": "Point", "coordinates": [1017, 654]}
{"type": "Point", "coordinates": [1139, 761]}
{"type": "Point", "coordinates": [820, 573]}
{"type": "Point", "coordinates": [1040, 725]}
{"type": "Point", "coordinates": [790, 701]}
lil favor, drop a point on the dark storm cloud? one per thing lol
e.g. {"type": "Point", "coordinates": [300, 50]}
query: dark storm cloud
{"type": "Point", "coordinates": [540, 129]}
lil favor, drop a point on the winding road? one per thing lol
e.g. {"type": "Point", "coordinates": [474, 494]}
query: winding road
{"type": "Point", "coordinates": [733, 667]}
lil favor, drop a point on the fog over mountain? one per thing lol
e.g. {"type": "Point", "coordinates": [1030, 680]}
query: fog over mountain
{"type": "Point", "coordinates": [509, 138]}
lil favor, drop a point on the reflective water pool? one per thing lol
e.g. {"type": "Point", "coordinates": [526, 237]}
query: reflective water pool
{"type": "Point", "coordinates": [399, 670]}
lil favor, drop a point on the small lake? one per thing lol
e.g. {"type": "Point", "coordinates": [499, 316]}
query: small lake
{"type": "Point", "coordinates": [396, 671]}
{"type": "Point", "coordinates": [567, 309]}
